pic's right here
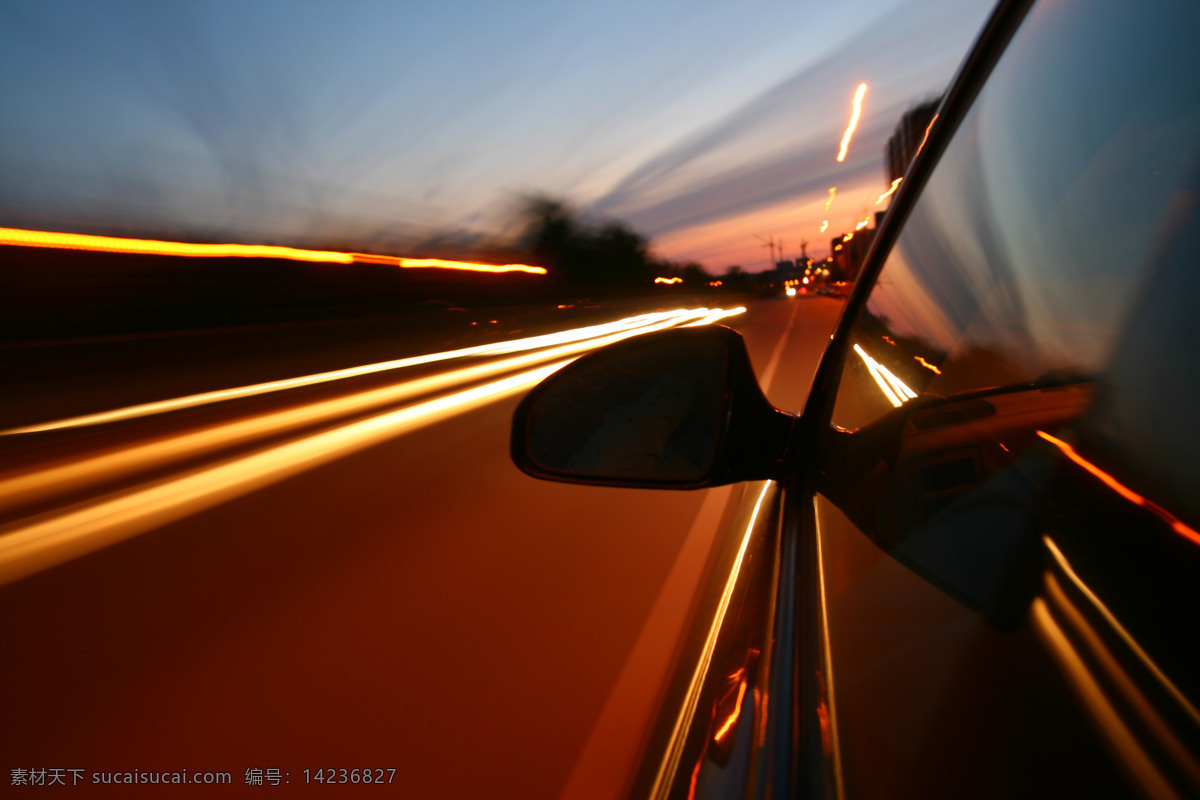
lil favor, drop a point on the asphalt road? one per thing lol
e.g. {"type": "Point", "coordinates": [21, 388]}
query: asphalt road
{"type": "Point", "coordinates": [415, 606]}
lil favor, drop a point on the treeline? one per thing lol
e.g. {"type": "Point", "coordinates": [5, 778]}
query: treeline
{"type": "Point", "coordinates": [608, 254]}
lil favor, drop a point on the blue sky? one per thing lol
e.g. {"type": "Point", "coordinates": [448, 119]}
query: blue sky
{"type": "Point", "coordinates": [386, 124]}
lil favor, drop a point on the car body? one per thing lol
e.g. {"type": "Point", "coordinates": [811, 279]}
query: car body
{"type": "Point", "coordinates": [972, 564]}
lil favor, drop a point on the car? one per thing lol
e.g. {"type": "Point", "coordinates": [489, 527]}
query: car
{"type": "Point", "coordinates": [971, 565]}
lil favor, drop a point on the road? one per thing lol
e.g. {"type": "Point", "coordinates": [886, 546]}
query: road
{"type": "Point", "coordinates": [414, 605]}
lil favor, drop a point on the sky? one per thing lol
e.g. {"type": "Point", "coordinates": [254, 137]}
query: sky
{"type": "Point", "coordinates": [412, 125]}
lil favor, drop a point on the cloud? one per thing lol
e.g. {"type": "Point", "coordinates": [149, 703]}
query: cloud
{"type": "Point", "coordinates": [782, 144]}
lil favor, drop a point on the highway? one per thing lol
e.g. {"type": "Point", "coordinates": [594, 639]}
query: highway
{"type": "Point", "coordinates": [346, 572]}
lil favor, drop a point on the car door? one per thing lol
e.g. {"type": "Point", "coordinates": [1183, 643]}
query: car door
{"type": "Point", "coordinates": [1000, 534]}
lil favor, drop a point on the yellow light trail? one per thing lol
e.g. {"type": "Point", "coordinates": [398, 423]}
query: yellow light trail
{"type": "Point", "coordinates": [858, 98]}
{"type": "Point", "coordinates": [824, 226]}
{"type": "Point", "coordinates": [112, 244]}
{"type": "Point", "coordinates": [889, 192]}
{"type": "Point", "coordinates": [29, 546]}
{"type": "Point", "coordinates": [26, 548]}
{"type": "Point", "coordinates": [668, 280]}
{"type": "Point", "coordinates": [220, 395]}
{"type": "Point", "coordinates": [832, 194]}
{"type": "Point", "coordinates": [31, 486]}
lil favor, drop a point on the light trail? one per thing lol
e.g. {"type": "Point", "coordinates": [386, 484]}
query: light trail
{"type": "Point", "coordinates": [889, 192]}
{"type": "Point", "coordinates": [26, 548]}
{"type": "Point", "coordinates": [824, 226]}
{"type": "Point", "coordinates": [1111, 482]}
{"type": "Point", "coordinates": [896, 391]}
{"type": "Point", "coordinates": [669, 280]}
{"type": "Point", "coordinates": [440, 263]}
{"type": "Point", "coordinates": [931, 367]}
{"type": "Point", "coordinates": [832, 194]}
{"type": "Point", "coordinates": [94, 524]}
{"type": "Point", "coordinates": [854, 116]}
{"type": "Point", "coordinates": [220, 395]}
{"type": "Point", "coordinates": [113, 244]}
{"type": "Point", "coordinates": [925, 138]}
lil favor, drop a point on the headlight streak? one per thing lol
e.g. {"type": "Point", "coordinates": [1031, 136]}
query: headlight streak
{"type": "Point", "coordinates": [220, 395]}
{"type": "Point", "coordinates": [897, 392]}
{"type": "Point", "coordinates": [716, 316]}
{"type": "Point", "coordinates": [32, 486]}
{"type": "Point", "coordinates": [30, 545]}
{"type": "Point", "coordinates": [27, 547]}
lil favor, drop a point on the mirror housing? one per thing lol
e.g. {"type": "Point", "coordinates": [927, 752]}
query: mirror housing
{"type": "Point", "coordinates": [675, 409]}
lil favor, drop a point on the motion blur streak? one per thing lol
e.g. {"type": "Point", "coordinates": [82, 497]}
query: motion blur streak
{"type": "Point", "coordinates": [683, 722]}
{"type": "Point", "coordinates": [897, 391]}
{"type": "Point", "coordinates": [32, 486]}
{"type": "Point", "coordinates": [439, 263]}
{"type": "Point", "coordinates": [931, 367]}
{"type": "Point", "coordinates": [633, 324]}
{"type": "Point", "coordinates": [1087, 592]}
{"type": "Point", "coordinates": [1123, 490]}
{"type": "Point", "coordinates": [889, 192]}
{"type": "Point", "coordinates": [1090, 691]}
{"type": "Point", "coordinates": [832, 194]}
{"type": "Point", "coordinates": [716, 315]}
{"type": "Point", "coordinates": [111, 244]}
{"type": "Point", "coordinates": [925, 138]}
{"type": "Point", "coordinates": [858, 98]}
{"type": "Point", "coordinates": [732, 719]}
{"type": "Point", "coordinates": [50, 539]}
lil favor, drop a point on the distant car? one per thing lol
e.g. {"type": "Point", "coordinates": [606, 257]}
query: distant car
{"type": "Point", "coordinates": [973, 569]}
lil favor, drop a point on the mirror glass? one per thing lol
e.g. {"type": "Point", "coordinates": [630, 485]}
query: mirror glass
{"type": "Point", "coordinates": [651, 412]}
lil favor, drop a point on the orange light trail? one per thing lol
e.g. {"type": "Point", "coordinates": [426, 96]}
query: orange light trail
{"type": "Point", "coordinates": [927, 365]}
{"type": "Point", "coordinates": [668, 280]}
{"type": "Point", "coordinates": [925, 138]}
{"type": "Point", "coordinates": [737, 711]}
{"type": "Point", "coordinates": [889, 192]}
{"type": "Point", "coordinates": [1108, 480]}
{"type": "Point", "coordinates": [30, 545]}
{"type": "Point", "coordinates": [858, 98]}
{"type": "Point", "coordinates": [112, 244]}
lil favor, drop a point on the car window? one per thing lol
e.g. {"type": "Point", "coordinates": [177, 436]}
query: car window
{"type": "Point", "coordinates": [1046, 217]}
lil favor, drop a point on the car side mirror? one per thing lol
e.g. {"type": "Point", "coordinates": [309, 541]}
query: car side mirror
{"type": "Point", "coordinates": [676, 409]}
